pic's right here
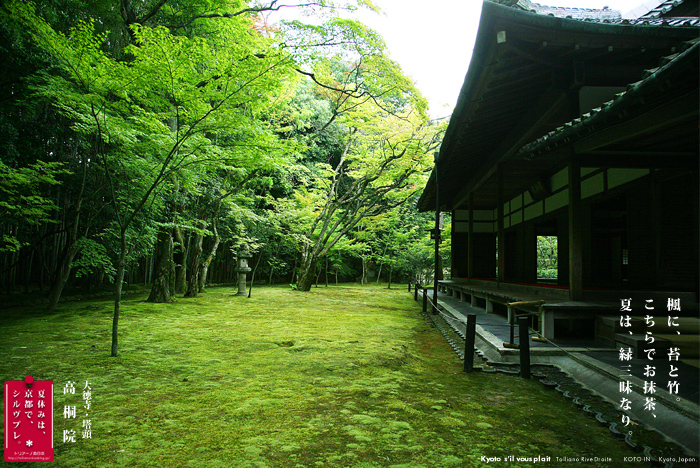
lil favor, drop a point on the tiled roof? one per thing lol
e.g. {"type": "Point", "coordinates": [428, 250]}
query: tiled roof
{"type": "Point", "coordinates": [590, 14]}
{"type": "Point", "coordinates": [662, 9]}
{"type": "Point", "coordinates": [569, 129]}
{"type": "Point", "coordinates": [606, 15]}
{"type": "Point", "coordinates": [647, 21]}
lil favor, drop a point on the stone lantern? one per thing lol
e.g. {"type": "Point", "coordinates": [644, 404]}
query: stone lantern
{"type": "Point", "coordinates": [242, 269]}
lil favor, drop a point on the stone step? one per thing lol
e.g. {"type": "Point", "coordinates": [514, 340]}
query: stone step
{"type": "Point", "coordinates": [638, 343]}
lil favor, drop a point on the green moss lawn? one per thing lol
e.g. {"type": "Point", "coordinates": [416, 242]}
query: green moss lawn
{"type": "Point", "coordinates": [347, 376]}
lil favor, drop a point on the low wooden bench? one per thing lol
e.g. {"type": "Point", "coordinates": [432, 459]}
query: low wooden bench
{"type": "Point", "coordinates": [512, 302]}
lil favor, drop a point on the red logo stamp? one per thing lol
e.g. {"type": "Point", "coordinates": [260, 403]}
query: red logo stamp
{"type": "Point", "coordinates": [29, 420]}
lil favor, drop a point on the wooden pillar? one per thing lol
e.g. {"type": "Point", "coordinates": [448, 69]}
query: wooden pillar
{"type": "Point", "coordinates": [438, 263]}
{"type": "Point", "coordinates": [470, 240]}
{"type": "Point", "coordinates": [529, 252]}
{"type": "Point", "coordinates": [501, 235]}
{"type": "Point", "coordinates": [575, 232]}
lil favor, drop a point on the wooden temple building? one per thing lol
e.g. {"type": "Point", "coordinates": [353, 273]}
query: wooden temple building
{"type": "Point", "coordinates": [583, 125]}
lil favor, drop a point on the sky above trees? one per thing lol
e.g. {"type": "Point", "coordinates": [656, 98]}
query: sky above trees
{"type": "Point", "coordinates": [433, 42]}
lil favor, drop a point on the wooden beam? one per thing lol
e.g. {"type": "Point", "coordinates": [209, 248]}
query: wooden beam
{"type": "Point", "coordinates": [539, 59]}
{"type": "Point", "coordinates": [639, 159]}
{"type": "Point", "coordinates": [511, 78]}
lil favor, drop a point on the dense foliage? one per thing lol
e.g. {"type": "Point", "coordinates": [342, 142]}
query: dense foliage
{"type": "Point", "coordinates": [547, 257]}
{"type": "Point", "coordinates": [150, 141]}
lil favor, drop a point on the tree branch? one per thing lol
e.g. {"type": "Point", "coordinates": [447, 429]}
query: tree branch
{"type": "Point", "coordinates": [272, 6]}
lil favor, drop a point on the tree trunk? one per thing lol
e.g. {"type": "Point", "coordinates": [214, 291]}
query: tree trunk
{"type": "Point", "coordinates": [305, 281]}
{"type": "Point", "coordinates": [148, 274]}
{"type": "Point", "coordinates": [362, 278]}
{"type": "Point", "coordinates": [379, 274]}
{"type": "Point", "coordinates": [64, 264]}
{"type": "Point", "coordinates": [307, 269]}
{"type": "Point", "coordinates": [294, 270]}
{"type": "Point", "coordinates": [209, 259]}
{"type": "Point", "coordinates": [271, 263]}
{"type": "Point", "coordinates": [28, 271]}
{"type": "Point", "coordinates": [53, 256]}
{"type": "Point", "coordinates": [42, 262]}
{"type": "Point", "coordinates": [12, 273]}
{"type": "Point", "coordinates": [193, 268]}
{"type": "Point", "coordinates": [121, 266]}
{"type": "Point", "coordinates": [391, 271]}
{"type": "Point", "coordinates": [252, 275]}
{"type": "Point", "coordinates": [180, 259]}
{"type": "Point", "coordinates": [172, 267]}
{"type": "Point", "coordinates": [160, 291]}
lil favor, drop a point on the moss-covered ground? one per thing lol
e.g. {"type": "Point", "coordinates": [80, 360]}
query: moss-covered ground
{"type": "Point", "coordinates": [346, 376]}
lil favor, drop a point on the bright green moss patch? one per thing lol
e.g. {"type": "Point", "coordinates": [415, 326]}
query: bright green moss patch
{"type": "Point", "coordinates": [337, 377]}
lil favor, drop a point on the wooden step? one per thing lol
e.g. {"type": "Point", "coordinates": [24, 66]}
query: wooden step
{"type": "Point", "coordinates": [689, 345]}
{"type": "Point", "coordinates": [606, 327]}
{"type": "Point", "coordinates": [686, 325]}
